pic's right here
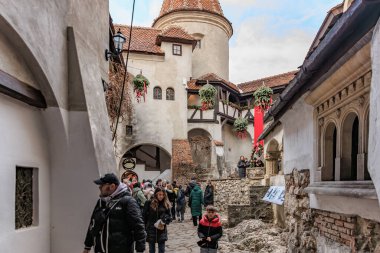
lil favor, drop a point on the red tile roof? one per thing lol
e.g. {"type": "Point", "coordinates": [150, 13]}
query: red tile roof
{"type": "Point", "coordinates": [212, 6]}
{"type": "Point", "coordinates": [194, 83]}
{"type": "Point", "coordinates": [148, 40]}
{"type": "Point", "coordinates": [271, 81]}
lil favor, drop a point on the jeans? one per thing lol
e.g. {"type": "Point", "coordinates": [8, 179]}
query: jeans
{"type": "Point", "coordinates": [195, 220]}
{"type": "Point", "coordinates": [207, 250]}
{"type": "Point", "coordinates": [181, 211]}
{"type": "Point", "coordinates": [152, 247]}
{"type": "Point", "coordinates": [173, 210]}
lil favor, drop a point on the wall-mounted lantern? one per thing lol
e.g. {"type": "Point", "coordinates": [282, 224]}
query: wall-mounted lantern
{"type": "Point", "coordinates": [119, 40]}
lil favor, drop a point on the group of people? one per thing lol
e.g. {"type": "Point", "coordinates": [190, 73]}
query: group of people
{"type": "Point", "coordinates": [130, 213]}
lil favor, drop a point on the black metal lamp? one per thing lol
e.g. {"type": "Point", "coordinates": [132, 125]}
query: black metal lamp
{"type": "Point", "coordinates": [119, 40]}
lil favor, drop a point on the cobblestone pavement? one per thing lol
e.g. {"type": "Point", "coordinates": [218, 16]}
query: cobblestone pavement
{"type": "Point", "coordinates": [182, 237]}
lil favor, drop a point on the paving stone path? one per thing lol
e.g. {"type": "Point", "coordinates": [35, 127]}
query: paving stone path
{"type": "Point", "coordinates": [182, 237]}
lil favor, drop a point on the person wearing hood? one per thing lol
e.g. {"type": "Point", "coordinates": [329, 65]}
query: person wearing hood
{"type": "Point", "coordinates": [210, 231]}
{"type": "Point", "coordinates": [116, 222]}
{"type": "Point", "coordinates": [139, 195]}
{"type": "Point", "coordinates": [195, 203]}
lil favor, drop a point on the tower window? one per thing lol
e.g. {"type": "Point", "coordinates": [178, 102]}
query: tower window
{"type": "Point", "coordinates": [170, 94]}
{"type": "Point", "coordinates": [157, 93]}
{"type": "Point", "coordinates": [177, 49]}
{"type": "Point", "coordinates": [129, 130]}
{"type": "Point", "coordinates": [199, 44]}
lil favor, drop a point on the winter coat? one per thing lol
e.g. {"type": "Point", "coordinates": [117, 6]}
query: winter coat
{"type": "Point", "coordinates": [196, 201]}
{"type": "Point", "coordinates": [151, 216]}
{"type": "Point", "coordinates": [190, 187]}
{"type": "Point", "coordinates": [209, 196]}
{"type": "Point", "coordinates": [139, 196]}
{"type": "Point", "coordinates": [181, 198]}
{"type": "Point", "coordinates": [171, 195]}
{"type": "Point", "coordinates": [242, 165]}
{"type": "Point", "coordinates": [210, 228]}
{"type": "Point", "coordinates": [120, 228]}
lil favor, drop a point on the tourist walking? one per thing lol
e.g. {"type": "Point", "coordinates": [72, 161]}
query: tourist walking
{"type": "Point", "coordinates": [195, 203]}
{"type": "Point", "coordinates": [139, 195]}
{"type": "Point", "coordinates": [210, 231]}
{"type": "Point", "coordinates": [115, 211]}
{"type": "Point", "coordinates": [156, 217]}
{"type": "Point", "coordinates": [172, 198]}
{"type": "Point", "coordinates": [148, 190]}
{"type": "Point", "coordinates": [242, 166]}
{"type": "Point", "coordinates": [209, 194]}
{"type": "Point", "coordinates": [181, 204]}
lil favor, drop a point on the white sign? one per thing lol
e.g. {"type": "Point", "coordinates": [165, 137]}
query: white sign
{"type": "Point", "coordinates": [276, 195]}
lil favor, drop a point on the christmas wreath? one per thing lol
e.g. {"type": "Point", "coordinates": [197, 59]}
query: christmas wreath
{"type": "Point", "coordinates": [263, 97]}
{"type": "Point", "coordinates": [207, 94]}
{"type": "Point", "coordinates": [140, 85]}
{"type": "Point", "coordinates": [240, 127]}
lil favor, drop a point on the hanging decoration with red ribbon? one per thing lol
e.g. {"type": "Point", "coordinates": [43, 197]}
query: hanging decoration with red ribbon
{"type": "Point", "coordinates": [140, 86]}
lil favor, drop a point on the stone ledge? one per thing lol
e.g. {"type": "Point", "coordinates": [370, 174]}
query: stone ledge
{"type": "Point", "coordinates": [355, 189]}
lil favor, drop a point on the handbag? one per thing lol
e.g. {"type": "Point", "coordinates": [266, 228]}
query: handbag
{"type": "Point", "coordinates": [159, 225]}
{"type": "Point", "coordinates": [202, 243]}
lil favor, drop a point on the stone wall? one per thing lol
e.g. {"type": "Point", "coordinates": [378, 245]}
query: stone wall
{"type": "Point", "coordinates": [360, 235]}
{"type": "Point", "coordinates": [299, 222]}
{"type": "Point", "coordinates": [183, 168]}
{"type": "Point", "coordinates": [232, 192]}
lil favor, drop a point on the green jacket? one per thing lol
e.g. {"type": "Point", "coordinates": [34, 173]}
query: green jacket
{"type": "Point", "coordinates": [196, 201]}
{"type": "Point", "coordinates": [139, 196]}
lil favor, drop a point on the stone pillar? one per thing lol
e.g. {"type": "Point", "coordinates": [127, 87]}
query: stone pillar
{"type": "Point", "coordinates": [361, 159]}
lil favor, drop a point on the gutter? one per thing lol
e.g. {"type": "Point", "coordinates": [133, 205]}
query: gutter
{"type": "Point", "coordinates": [354, 24]}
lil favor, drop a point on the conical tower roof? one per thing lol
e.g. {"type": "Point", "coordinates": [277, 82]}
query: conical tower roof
{"type": "Point", "coordinates": [211, 6]}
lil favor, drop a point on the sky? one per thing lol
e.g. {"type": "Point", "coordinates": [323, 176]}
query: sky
{"type": "Point", "coordinates": [270, 36]}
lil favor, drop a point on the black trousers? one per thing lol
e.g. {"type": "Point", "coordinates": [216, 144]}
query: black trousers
{"type": "Point", "coordinates": [195, 220]}
{"type": "Point", "coordinates": [173, 210]}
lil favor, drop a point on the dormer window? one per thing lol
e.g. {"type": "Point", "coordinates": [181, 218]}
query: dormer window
{"type": "Point", "coordinates": [177, 49]}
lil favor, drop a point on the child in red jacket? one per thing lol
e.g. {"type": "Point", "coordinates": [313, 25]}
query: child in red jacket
{"type": "Point", "coordinates": [210, 231]}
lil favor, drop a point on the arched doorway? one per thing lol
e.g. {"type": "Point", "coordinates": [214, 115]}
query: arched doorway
{"type": "Point", "coordinates": [151, 160]}
{"type": "Point", "coordinates": [272, 158]}
{"type": "Point", "coordinates": [328, 172]}
{"type": "Point", "coordinates": [350, 147]}
{"type": "Point", "coordinates": [201, 147]}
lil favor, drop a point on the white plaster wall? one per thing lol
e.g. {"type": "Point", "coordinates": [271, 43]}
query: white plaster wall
{"type": "Point", "coordinates": [23, 143]}
{"type": "Point", "coordinates": [298, 127]}
{"type": "Point", "coordinates": [11, 63]}
{"type": "Point", "coordinates": [143, 174]}
{"type": "Point", "coordinates": [374, 116]}
{"type": "Point", "coordinates": [277, 134]}
{"type": "Point", "coordinates": [213, 56]}
{"type": "Point", "coordinates": [160, 121]}
{"type": "Point", "coordinates": [234, 147]}
{"type": "Point", "coordinates": [325, 245]}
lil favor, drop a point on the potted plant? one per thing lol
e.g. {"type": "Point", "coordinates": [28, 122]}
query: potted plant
{"type": "Point", "coordinates": [240, 127]}
{"type": "Point", "coordinates": [140, 85]}
{"type": "Point", "coordinates": [263, 97]}
{"type": "Point", "coordinates": [207, 94]}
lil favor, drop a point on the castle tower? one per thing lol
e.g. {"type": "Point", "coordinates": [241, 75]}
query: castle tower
{"type": "Point", "coordinates": [204, 20]}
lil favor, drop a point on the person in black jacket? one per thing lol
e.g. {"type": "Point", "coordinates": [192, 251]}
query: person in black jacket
{"type": "Point", "coordinates": [210, 231]}
{"type": "Point", "coordinates": [242, 166]}
{"type": "Point", "coordinates": [116, 222]}
{"type": "Point", "coordinates": [157, 216]}
{"type": "Point", "coordinates": [209, 194]}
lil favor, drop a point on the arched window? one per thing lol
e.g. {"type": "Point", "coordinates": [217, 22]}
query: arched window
{"type": "Point", "coordinates": [157, 93]}
{"type": "Point", "coordinates": [328, 172]}
{"type": "Point", "coordinates": [170, 94]}
{"type": "Point", "coordinates": [350, 147]}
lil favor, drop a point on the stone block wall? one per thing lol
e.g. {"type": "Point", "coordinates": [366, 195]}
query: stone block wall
{"type": "Point", "coordinates": [232, 192]}
{"type": "Point", "coordinates": [299, 220]}
{"type": "Point", "coordinates": [238, 213]}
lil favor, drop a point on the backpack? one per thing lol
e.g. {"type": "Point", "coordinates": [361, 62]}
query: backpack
{"type": "Point", "coordinates": [135, 196]}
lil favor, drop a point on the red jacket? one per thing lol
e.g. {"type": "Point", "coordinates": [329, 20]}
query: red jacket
{"type": "Point", "coordinates": [210, 228]}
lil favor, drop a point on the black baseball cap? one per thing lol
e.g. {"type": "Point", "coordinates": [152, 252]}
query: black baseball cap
{"type": "Point", "coordinates": [109, 178]}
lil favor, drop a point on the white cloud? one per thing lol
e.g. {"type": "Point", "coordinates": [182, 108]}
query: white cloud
{"type": "Point", "coordinates": [259, 50]}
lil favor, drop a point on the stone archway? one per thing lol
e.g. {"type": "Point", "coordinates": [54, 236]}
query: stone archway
{"type": "Point", "coordinates": [201, 147]}
{"type": "Point", "coordinates": [272, 158]}
{"type": "Point", "coordinates": [151, 160]}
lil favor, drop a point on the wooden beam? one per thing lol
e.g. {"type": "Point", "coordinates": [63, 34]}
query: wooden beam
{"type": "Point", "coordinates": [21, 91]}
